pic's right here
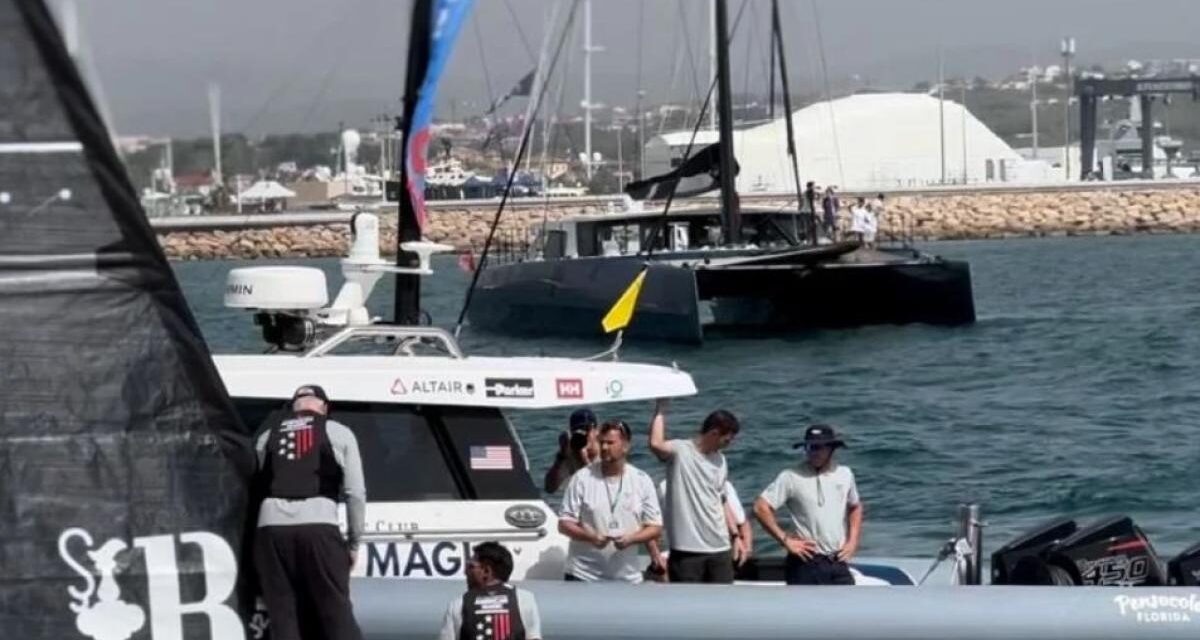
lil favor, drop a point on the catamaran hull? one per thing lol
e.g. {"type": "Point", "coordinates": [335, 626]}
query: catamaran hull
{"type": "Point", "coordinates": [837, 295]}
{"type": "Point", "coordinates": [402, 609]}
{"type": "Point", "coordinates": [570, 297]}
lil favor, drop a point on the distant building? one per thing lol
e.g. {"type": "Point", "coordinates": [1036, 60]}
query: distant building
{"type": "Point", "coordinates": [868, 141]}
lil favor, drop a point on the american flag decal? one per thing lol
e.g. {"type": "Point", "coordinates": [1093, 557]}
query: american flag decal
{"type": "Point", "coordinates": [296, 439]}
{"type": "Point", "coordinates": [496, 620]}
{"type": "Point", "coordinates": [492, 458]}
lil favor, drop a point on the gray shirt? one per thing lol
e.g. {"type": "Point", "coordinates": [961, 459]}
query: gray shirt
{"type": "Point", "coordinates": [614, 506]}
{"type": "Point", "coordinates": [452, 620]}
{"type": "Point", "coordinates": [695, 509]}
{"type": "Point", "coordinates": [277, 512]}
{"type": "Point", "coordinates": [817, 502]}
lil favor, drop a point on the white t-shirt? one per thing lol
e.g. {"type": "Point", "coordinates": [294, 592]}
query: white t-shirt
{"type": "Point", "coordinates": [695, 513]}
{"type": "Point", "coordinates": [817, 502]}
{"type": "Point", "coordinates": [614, 506]}
{"type": "Point", "coordinates": [526, 604]}
{"type": "Point", "coordinates": [863, 221]}
{"type": "Point", "coordinates": [731, 496]}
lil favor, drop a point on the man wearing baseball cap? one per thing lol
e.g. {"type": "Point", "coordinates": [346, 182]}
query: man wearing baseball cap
{"type": "Point", "coordinates": [826, 512]}
{"type": "Point", "coordinates": [578, 447]}
{"type": "Point", "coordinates": [307, 465]}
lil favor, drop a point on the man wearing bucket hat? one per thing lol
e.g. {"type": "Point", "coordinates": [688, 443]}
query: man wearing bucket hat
{"type": "Point", "coordinates": [826, 512]}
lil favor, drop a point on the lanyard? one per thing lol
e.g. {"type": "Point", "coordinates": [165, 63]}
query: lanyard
{"type": "Point", "coordinates": [612, 501]}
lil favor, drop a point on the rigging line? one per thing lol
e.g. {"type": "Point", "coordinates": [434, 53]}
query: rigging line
{"type": "Point", "coordinates": [837, 147]}
{"type": "Point", "coordinates": [752, 37]}
{"type": "Point", "coordinates": [639, 93]}
{"type": "Point", "coordinates": [550, 131]}
{"type": "Point", "coordinates": [662, 219]}
{"type": "Point", "coordinates": [326, 82]}
{"type": "Point", "coordinates": [520, 32]}
{"type": "Point", "coordinates": [288, 80]}
{"type": "Point", "coordinates": [512, 176]}
{"type": "Point", "coordinates": [673, 77]}
{"type": "Point", "coordinates": [487, 75]}
{"type": "Point", "coordinates": [687, 44]}
{"type": "Point", "coordinates": [487, 79]}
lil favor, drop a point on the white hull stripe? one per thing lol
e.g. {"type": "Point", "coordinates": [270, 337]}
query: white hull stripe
{"type": "Point", "coordinates": [41, 147]}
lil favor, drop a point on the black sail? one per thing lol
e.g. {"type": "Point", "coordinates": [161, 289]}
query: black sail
{"type": "Point", "coordinates": [123, 466]}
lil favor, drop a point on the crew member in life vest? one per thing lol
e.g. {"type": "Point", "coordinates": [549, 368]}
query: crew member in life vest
{"type": "Point", "coordinates": [307, 464]}
{"type": "Point", "coordinates": [491, 609]}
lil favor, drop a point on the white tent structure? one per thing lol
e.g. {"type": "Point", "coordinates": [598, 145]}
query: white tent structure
{"type": "Point", "coordinates": [864, 142]}
{"type": "Point", "coordinates": [265, 190]}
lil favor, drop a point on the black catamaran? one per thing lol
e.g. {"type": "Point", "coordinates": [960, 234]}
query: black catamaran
{"type": "Point", "coordinates": [728, 270]}
{"type": "Point", "coordinates": [123, 465]}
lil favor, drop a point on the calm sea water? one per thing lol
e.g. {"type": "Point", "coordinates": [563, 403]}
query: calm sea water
{"type": "Point", "coordinates": [1077, 392]}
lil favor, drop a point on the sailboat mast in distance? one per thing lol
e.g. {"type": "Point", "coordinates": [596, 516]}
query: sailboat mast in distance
{"type": "Point", "coordinates": [730, 213]}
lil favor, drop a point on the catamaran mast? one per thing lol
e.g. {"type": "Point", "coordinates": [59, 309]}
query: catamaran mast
{"type": "Point", "coordinates": [730, 214]}
{"type": "Point", "coordinates": [810, 225]}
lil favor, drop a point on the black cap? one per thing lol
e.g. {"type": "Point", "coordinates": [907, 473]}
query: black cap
{"type": "Point", "coordinates": [821, 434]}
{"type": "Point", "coordinates": [583, 420]}
{"type": "Point", "coordinates": [311, 391]}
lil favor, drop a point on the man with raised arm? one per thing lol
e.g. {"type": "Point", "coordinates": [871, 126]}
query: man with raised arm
{"type": "Point", "coordinates": [695, 506]}
{"type": "Point", "coordinates": [826, 511]}
{"type": "Point", "coordinates": [609, 508]}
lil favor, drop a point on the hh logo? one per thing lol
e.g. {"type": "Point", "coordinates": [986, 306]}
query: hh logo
{"type": "Point", "coordinates": [101, 614]}
{"type": "Point", "coordinates": [569, 388]}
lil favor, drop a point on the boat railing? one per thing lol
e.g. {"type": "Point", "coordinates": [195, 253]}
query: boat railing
{"type": "Point", "coordinates": [513, 244]}
{"type": "Point", "coordinates": [401, 340]}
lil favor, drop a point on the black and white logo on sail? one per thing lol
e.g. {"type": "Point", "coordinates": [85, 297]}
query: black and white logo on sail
{"type": "Point", "coordinates": [508, 387]}
{"type": "Point", "coordinates": [102, 612]}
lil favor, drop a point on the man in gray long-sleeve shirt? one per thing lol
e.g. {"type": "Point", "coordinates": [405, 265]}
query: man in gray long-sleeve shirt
{"type": "Point", "coordinates": [307, 464]}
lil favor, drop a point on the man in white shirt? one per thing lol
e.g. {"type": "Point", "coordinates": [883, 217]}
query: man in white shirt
{"type": "Point", "coordinates": [695, 515]}
{"type": "Point", "coordinates": [609, 508]}
{"type": "Point", "coordinates": [863, 223]}
{"type": "Point", "coordinates": [826, 511]}
{"type": "Point", "coordinates": [491, 608]}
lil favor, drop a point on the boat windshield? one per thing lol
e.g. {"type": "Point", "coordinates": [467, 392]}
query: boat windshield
{"type": "Point", "coordinates": [414, 453]}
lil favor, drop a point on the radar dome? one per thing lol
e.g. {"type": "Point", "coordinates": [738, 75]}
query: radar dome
{"type": "Point", "coordinates": [351, 140]}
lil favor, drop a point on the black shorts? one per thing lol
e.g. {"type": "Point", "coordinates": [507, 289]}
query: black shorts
{"type": "Point", "coordinates": [712, 568]}
{"type": "Point", "coordinates": [818, 570]}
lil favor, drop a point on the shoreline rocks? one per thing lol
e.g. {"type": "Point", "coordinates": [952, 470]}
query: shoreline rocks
{"type": "Point", "coordinates": [941, 216]}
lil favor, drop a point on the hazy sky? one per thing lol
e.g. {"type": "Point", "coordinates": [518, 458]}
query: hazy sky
{"type": "Point", "coordinates": [286, 65]}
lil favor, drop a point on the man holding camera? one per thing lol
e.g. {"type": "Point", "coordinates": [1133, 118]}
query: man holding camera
{"type": "Point", "coordinates": [609, 508]}
{"type": "Point", "coordinates": [577, 448]}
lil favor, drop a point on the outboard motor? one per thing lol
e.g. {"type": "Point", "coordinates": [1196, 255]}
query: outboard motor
{"type": "Point", "coordinates": [1112, 552]}
{"type": "Point", "coordinates": [1184, 569]}
{"type": "Point", "coordinates": [1020, 561]}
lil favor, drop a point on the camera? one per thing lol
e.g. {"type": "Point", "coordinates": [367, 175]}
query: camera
{"type": "Point", "coordinates": [579, 440]}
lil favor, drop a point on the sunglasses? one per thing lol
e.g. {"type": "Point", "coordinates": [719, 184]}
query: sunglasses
{"type": "Point", "coordinates": [817, 447]}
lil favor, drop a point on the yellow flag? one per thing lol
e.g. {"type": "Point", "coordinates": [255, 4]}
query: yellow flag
{"type": "Point", "coordinates": [621, 313]}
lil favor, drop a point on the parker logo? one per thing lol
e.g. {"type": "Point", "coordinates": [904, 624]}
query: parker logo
{"type": "Point", "coordinates": [569, 388]}
{"type": "Point", "coordinates": [100, 612]}
{"type": "Point", "coordinates": [508, 387]}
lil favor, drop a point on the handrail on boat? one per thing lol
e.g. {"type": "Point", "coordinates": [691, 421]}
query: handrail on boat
{"type": "Point", "coordinates": [406, 337]}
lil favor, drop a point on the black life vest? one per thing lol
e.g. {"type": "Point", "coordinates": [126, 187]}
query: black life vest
{"type": "Point", "coordinates": [299, 459]}
{"type": "Point", "coordinates": [491, 613]}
